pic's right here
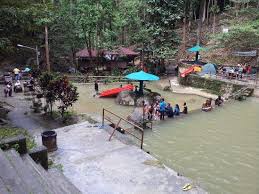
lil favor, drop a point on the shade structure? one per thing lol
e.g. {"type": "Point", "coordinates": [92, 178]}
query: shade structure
{"type": "Point", "coordinates": [142, 76]}
{"type": "Point", "coordinates": [196, 49]}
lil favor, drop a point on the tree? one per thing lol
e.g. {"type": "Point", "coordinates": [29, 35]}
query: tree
{"type": "Point", "coordinates": [161, 21]}
{"type": "Point", "coordinates": [47, 85]}
{"type": "Point", "coordinates": [67, 94]}
{"type": "Point", "coordinates": [244, 36]}
{"type": "Point", "coordinates": [214, 9]}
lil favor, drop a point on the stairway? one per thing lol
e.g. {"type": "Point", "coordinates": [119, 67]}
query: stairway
{"type": "Point", "coordinates": [242, 93]}
{"type": "Point", "coordinates": [21, 175]}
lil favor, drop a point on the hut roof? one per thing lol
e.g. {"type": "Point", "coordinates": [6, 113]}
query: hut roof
{"type": "Point", "coordinates": [85, 53]}
{"type": "Point", "coordinates": [127, 51]}
{"type": "Point", "coordinates": [94, 53]}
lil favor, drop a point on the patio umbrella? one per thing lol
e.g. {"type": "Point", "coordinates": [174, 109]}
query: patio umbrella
{"type": "Point", "coordinates": [142, 76]}
{"type": "Point", "coordinates": [196, 49]}
{"type": "Point", "coordinates": [27, 69]}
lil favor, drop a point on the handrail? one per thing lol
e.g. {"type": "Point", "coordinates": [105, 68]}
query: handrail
{"type": "Point", "coordinates": [117, 125]}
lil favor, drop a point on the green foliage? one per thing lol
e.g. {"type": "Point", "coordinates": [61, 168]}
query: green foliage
{"type": "Point", "coordinates": [7, 132]}
{"type": "Point", "coordinates": [58, 89]}
{"type": "Point", "coordinates": [102, 24]}
{"type": "Point", "coordinates": [162, 18]}
{"type": "Point", "coordinates": [242, 36]}
{"type": "Point", "coordinates": [66, 94]}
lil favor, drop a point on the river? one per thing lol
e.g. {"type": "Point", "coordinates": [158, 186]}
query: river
{"type": "Point", "coordinates": [218, 150]}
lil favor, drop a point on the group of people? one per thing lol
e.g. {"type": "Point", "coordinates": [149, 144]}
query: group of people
{"type": "Point", "coordinates": [17, 87]}
{"type": "Point", "coordinates": [159, 110]}
{"type": "Point", "coordinates": [207, 106]}
{"type": "Point", "coordinates": [236, 72]}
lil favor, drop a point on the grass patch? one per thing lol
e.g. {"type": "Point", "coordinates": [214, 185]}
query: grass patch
{"type": "Point", "coordinates": [7, 132]}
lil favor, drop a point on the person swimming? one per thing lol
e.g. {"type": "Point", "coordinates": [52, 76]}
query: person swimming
{"type": "Point", "coordinates": [207, 105]}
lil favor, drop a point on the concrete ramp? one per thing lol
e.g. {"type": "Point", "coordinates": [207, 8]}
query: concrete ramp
{"type": "Point", "coordinates": [97, 166]}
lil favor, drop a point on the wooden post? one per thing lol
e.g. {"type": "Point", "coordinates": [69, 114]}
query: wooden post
{"type": "Point", "coordinates": [103, 118]}
{"type": "Point", "coordinates": [142, 139]}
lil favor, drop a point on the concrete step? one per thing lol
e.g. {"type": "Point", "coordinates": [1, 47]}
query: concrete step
{"type": "Point", "coordinates": [37, 174]}
{"type": "Point", "coordinates": [13, 183]}
{"type": "Point", "coordinates": [63, 182]}
{"type": "Point", "coordinates": [49, 183]}
{"type": "Point", "coordinates": [3, 189]}
{"type": "Point", "coordinates": [25, 173]}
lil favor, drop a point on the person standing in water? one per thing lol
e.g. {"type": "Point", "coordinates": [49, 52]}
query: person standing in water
{"type": "Point", "coordinates": [176, 110]}
{"type": "Point", "coordinates": [96, 87]}
{"type": "Point", "coordinates": [162, 106]}
{"type": "Point", "coordinates": [185, 108]}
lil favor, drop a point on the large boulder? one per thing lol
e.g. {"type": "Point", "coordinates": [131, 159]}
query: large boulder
{"type": "Point", "coordinates": [130, 98]}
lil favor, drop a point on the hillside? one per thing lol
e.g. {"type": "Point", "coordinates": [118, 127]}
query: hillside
{"type": "Point", "coordinates": [243, 35]}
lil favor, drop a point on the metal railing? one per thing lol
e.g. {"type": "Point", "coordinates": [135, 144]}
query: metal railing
{"type": "Point", "coordinates": [89, 78]}
{"type": "Point", "coordinates": [117, 124]}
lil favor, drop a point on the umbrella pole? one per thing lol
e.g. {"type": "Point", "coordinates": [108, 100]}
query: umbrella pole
{"type": "Point", "coordinates": [141, 87]}
{"type": "Point", "coordinates": [197, 56]}
{"type": "Point", "coordinates": [143, 120]}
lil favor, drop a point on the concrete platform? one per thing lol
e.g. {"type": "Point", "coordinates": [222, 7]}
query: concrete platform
{"type": "Point", "coordinates": [96, 166]}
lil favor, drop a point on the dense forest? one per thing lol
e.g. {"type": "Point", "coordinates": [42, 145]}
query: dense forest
{"type": "Point", "coordinates": [61, 27]}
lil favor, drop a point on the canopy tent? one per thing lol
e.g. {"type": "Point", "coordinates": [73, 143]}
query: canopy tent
{"type": "Point", "coordinates": [142, 76]}
{"type": "Point", "coordinates": [196, 49]}
{"type": "Point", "coordinates": [208, 69]}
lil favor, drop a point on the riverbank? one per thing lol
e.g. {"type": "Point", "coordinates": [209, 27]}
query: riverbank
{"type": "Point", "coordinates": [96, 165]}
{"type": "Point", "coordinates": [175, 87]}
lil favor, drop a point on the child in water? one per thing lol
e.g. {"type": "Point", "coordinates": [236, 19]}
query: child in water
{"type": "Point", "coordinates": [185, 108]}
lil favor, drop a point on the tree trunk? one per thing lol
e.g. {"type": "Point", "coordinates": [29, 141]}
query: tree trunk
{"type": "Point", "coordinates": [208, 12]}
{"type": "Point", "coordinates": [47, 48]}
{"type": "Point", "coordinates": [204, 11]}
{"type": "Point", "coordinates": [236, 9]}
{"type": "Point", "coordinates": [184, 33]}
{"type": "Point", "coordinates": [214, 23]}
{"type": "Point", "coordinates": [199, 30]}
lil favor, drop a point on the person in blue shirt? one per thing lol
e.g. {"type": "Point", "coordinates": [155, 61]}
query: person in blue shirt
{"type": "Point", "coordinates": [177, 110]}
{"type": "Point", "coordinates": [162, 106]}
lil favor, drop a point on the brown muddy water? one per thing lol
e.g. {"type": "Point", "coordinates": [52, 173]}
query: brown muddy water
{"type": "Point", "coordinates": [94, 105]}
{"type": "Point", "coordinates": [218, 150]}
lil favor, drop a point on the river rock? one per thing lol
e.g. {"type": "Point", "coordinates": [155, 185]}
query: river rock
{"type": "Point", "coordinates": [167, 88]}
{"type": "Point", "coordinates": [130, 98]}
{"type": "Point", "coordinates": [3, 112]}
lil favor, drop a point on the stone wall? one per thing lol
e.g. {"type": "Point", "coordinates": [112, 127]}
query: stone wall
{"type": "Point", "coordinates": [214, 86]}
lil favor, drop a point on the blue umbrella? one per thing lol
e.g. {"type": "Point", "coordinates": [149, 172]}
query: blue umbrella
{"type": "Point", "coordinates": [196, 49]}
{"type": "Point", "coordinates": [27, 69]}
{"type": "Point", "coordinates": [142, 76]}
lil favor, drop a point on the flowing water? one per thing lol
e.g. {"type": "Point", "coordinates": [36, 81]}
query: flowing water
{"type": "Point", "coordinates": [88, 103]}
{"type": "Point", "coordinates": [218, 150]}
